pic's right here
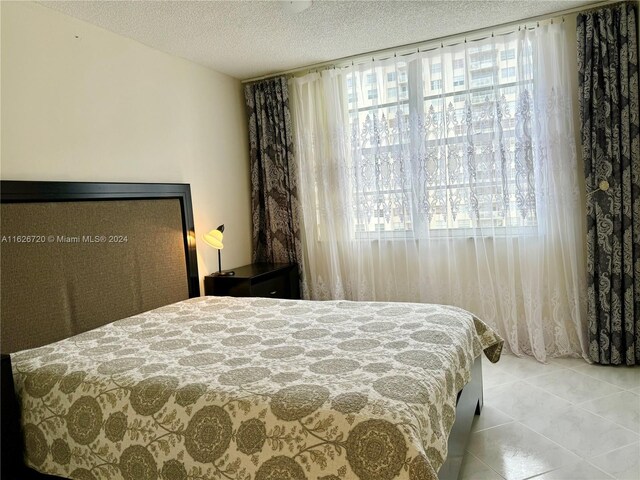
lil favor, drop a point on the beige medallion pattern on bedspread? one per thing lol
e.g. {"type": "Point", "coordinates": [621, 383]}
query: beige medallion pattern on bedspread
{"type": "Point", "coordinates": [252, 388]}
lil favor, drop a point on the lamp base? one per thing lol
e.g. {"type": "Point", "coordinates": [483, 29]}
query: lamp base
{"type": "Point", "coordinates": [224, 273]}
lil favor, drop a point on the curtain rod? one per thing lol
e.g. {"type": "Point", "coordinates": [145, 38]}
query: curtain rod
{"type": "Point", "coordinates": [432, 43]}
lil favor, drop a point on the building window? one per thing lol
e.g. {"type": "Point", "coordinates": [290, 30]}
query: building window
{"type": "Point", "coordinates": [507, 54]}
{"type": "Point", "coordinates": [454, 134]}
{"type": "Point", "coordinates": [391, 77]}
{"type": "Point", "coordinates": [436, 68]}
{"type": "Point", "coordinates": [482, 77]}
{"type": "Point", "coordinates": [508, 72]}
{"type": "Point", "coordinates": [460, 98]}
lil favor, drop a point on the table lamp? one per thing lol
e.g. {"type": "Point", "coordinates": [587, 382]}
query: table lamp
{"type": "Point", "coordinates": [214, 239]}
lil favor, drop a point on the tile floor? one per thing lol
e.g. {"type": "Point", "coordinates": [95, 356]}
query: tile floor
{"type": "Point", "coordinates": [566, 420]}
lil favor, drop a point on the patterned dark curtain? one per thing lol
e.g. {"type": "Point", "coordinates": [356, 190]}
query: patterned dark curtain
{"type": "Point", "coordinates": [609, 113]}
{"type": "Point", "coordinates": [274, 195]}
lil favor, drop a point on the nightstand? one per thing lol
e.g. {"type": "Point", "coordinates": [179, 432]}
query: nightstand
{"type": "Point", "coordinates": [275, 280]}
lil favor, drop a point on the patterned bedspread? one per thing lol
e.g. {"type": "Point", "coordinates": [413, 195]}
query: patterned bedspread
{"type": "Point", "coordinates": [251, 388]}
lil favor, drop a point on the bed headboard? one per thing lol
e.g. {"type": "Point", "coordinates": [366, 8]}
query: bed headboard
{"type": "Point", "coordinates": [75, 256]}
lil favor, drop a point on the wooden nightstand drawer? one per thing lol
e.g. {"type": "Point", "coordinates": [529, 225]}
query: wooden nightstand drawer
{"type": "Point", "coordinates": [277, 287]}
{"type": "Point", "coordinates": [278, 280]}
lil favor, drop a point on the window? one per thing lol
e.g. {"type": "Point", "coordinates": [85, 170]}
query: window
{"type": "Point", "coordinates": [436, 68]}
{"type": "Point", "coordinates": [457, 176]}
{"type": "Point", "coordinates": [508, 54]}
{"type": "Point", "coordinates": [371, 78]}
{"type": "Point", "coordinates": [372, 94]}
{"type": "Point", "coordinates": [482, 59]}
{"type": "Point", "coordinates": [482, 77]}
{"type": "Point", "coordinates": [458, 63]}
{"type": "Point", "coordinates": [508, 72]}
{"type": "Point", "coordinates": [481, 96]}
{"type": "Point", "coordinates": [391, 77]}
{"type": "Point", "coordinates": [460, 98]}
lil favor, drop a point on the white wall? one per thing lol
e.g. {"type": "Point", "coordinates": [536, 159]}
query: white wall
{"type": "Point", "coordinates": [80, 103]}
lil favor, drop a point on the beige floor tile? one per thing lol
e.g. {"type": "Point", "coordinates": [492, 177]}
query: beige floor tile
{"type": "Point", "coordinates": [581, 470]}
{"type": "Point", "coordinates": [492, 377]}
{"type": "Point", "coordinates": [569, 362]}
{"type": "Point", "coordinates": [517, 452]}
{"type": "Point", "coordinates": [474, 469]}
{"type": "Point", "coordinates": [524, 367]}
{"type": "Point", "coordinates": [622, 376]}
{"type": "Point", "coordinates": [582, 432]}
{"type": "Point", "coordinates": [622, 408]}
{"type": "Point", "coordinates": [573, 386]}
{"type": "Point", "coordinates": [490, 417]}
{"type": "Point", "coordinates": [566, 420]}
{"type": "Point", "coordinates": [623, 464]}
{"type": "Point", "coordinates": [522, 400]}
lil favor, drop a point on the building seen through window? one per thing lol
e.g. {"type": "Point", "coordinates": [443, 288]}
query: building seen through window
{"type": "Point", "coordinates": [429, 155]}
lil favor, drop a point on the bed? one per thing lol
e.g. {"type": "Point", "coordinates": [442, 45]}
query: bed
{"type": "Point", "coordinates": [216, 387]}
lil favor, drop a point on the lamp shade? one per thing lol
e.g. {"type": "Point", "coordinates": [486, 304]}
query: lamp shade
{"type": "Point", "coordinates": [214, 239]}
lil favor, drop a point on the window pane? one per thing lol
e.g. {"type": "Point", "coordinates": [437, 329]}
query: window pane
{"type": "Point", "coordinates": [453, 161]}
{"type": "Point", "coordinates": [508, 54]}
{"type": "Point", "coordinates": [508, 72]}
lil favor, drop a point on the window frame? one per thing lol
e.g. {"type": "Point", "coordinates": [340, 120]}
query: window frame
{"type": "Point", "coordinates": [415, 220]}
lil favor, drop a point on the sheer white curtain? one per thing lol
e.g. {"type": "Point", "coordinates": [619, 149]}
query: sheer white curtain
{"type": "Point", "coordinates": [449, 177]}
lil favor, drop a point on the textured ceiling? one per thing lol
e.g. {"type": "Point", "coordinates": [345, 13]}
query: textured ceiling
{"type": "Point", "coordinates": [246, 39]}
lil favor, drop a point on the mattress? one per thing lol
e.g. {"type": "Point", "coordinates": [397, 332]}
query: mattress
{"type": "Point", "coordinates": [252, 388]}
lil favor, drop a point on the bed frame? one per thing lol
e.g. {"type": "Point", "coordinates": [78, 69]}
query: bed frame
{"type": "Point", "coordinates": [470, 402]}
{"type": "Point", "coordinates": [87, 274]}
{"type": "Point", "coordinates": [17, 337]}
